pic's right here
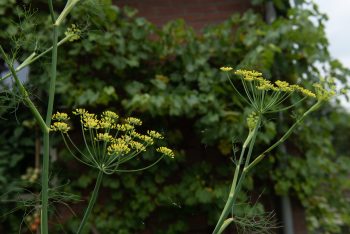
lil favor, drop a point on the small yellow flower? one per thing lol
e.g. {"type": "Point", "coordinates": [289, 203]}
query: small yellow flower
{"type": "Point", "coordinates": [248, 73]}
{"type": "Point", "coordinates": [154, 134]}
{"type": "Point", "coordinates": [284, 86]}
{"type": "Point", "coordinates": [266, 85]}
{"type": "Point", "coordinates": [137, 146]}
{"type": "Point", "coordinates": [166, 151]}
{"type": "Point", "coordinates": [226, 69]}
{"type": "Point", "coordinates": [120, 147]}
{"type": "Point", "coordinates": [60, 127]}
{"type": "Point", "coordinates": [103, 137]}
{"type": "Point", "coordinates": [60, 116]}
{"type": "Point", "coordinates": [308, 93]}
{"type": "Point", "coordinates": [124, 127]}
{"type": "Point", "coordinates": [90, 121]}
{"type": "Point", "coordinates": [144, 138]}
{"type": "Point", "coordinates": [105, 124]}
{"type": "Point", "coordinates": [147, 139]}
{"type": "Point", "coordinates": [133, 121]}
{"type": "Point", "coordinates": [110, 114]}
{"type": "Point", "coordinates": [79, 111]}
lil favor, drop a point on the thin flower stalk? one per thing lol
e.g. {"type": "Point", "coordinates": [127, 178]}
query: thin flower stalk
{"type": "Point", "coordinates": [46, 141]}
{"type": "Point", "coordinates": [92, 202]}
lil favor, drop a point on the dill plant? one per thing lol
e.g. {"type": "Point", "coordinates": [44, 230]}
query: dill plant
{"type": "Point", "coordinates": [264, 97]}
{"type": "Point", "coordinates": [44, 122]}
{"type": "Point", "coordinates": [109, 144]}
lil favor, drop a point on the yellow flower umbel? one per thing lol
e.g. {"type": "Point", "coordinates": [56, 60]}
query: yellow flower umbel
{"type": "Point", "coordinates": [226, 69]}
{"type": "Point", "coordinates": [60, 127]}
{"type": "Point", "coordinates": [166, 151]}
{"type": "Point", "coordinates": [60, 116]}
{"type": "Point", "coordinates": [263, 95]}
{"type": "Point", "coordinates": [109, 143]}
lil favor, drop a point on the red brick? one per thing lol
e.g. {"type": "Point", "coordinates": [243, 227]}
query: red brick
{"type": "Point", "coordinates": [197, 13]}
{"type": "Point", "coordinates": [199, 9]}
{"type": "Point", "coordinates": [161, 11]}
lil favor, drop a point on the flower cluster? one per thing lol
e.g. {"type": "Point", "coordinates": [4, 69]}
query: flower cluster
{"type": "Point", "coordinates": [324, 94]}
{"type": "Point", "coordinates": [109, 141]}
{"type": "Point", "coordinates": [166, 151]}
{"type": "Point", "coordinates": [266, 96]}
{"type": "Point", "coordinates": [278, 86]}
{"type": "Point", "coordinates": [60, 127]}
{"type": "Point", "coordinates": [60, 116]}
{"type": "Point", "coordinates": [31, 175]}
{"type": "Point", "coordinates": [252, 120]}
{"type": "Point", "coordinates": [73, 32]}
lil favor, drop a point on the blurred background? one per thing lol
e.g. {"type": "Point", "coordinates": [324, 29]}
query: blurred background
{"type": "Point", "coordinates": [159, 60]}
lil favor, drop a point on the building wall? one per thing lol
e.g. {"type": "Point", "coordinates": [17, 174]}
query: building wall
{"type": "Point", "coordinates": [197, 13]}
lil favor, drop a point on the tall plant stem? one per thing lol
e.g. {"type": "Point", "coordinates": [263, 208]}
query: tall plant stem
{"type": "Point", "coordinates": [233, 190]}
{"type": "Point", "coordinates": [91, 202]}
{"type": "Point", "coordinates": [46, 154]}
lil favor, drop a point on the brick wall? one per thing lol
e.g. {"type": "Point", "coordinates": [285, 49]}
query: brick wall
{"type": "Point", "coordinates": [197, 13]}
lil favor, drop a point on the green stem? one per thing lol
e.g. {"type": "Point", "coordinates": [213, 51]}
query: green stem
{"type": "Point", "coordinates": [24, 93]}
{"type": "Point", "coordinates": [284, 137]}
{"type": "Point", "coordinates": [53, 77]}
{"type": "Point", "coordinates": [232, 193]}
{"type": "Point", "coordinates": [45, 185]}
{"type": "Point", "coordinates": [46, 153]}
{"type": "Point", "coordinates": [91, 202]}
{"type": "Point", "coordinates": [222, 225]}
{"type": "Point", "coordinates": [225, 224]}
{"type": "Point", "coordinates": [52, 12]}
{"type": "Point", "coordinates": [248, 166]}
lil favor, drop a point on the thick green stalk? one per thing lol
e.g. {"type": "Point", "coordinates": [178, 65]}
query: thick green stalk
{"type": "Point", "coordinates": [24, 93]}
{"type": "Point", "coordinates": [232, 193]}
{"type": "Point", "coordinates": [91, 202]}
{"type": "Point", "coordinates": [46, 153]}
{"type": "Point", "coordinates": [284, 137]}
{"type": "Point", "coordinates": [220, 226]}
{"type": "Point", "coordinates": [225, 224]}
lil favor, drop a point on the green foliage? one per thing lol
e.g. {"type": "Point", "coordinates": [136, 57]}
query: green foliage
{"type": "Point", "coordinates": [318, 176]}
{"type": "Point", "coordinates": [170, 76]}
